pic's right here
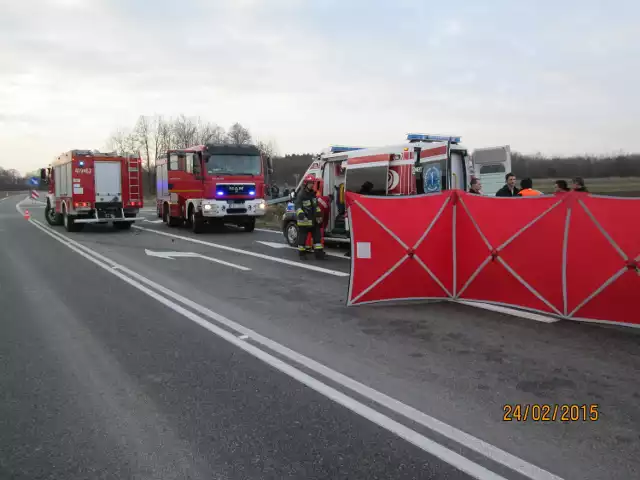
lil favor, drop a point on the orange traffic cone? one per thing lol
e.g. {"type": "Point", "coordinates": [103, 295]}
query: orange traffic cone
{"type": "Point", "coordinates": [27, 215]}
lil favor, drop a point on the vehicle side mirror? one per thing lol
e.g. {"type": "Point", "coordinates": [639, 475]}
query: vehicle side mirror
{"type": "Point", "coordinates": [43, 174]}
{"type": "Point", "coordinates": [270, 171]}
{"type": "Point", "coordinates": [293, 195]}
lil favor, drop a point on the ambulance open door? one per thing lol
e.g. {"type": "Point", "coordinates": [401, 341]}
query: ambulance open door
{"type": "Point", "coordinates": [491, 165]}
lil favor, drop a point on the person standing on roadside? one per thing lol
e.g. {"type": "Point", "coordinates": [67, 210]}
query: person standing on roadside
{"type": "Point", "coordinates": [309, 217]}
{"type": "Point", "coordinates": [578, 185]}
{"type": "Point", "coordinates": [510, 189]}
{"type": "Point", "coordinates": [527, 189]}
{"type": "Point", "coordinates": [561, 186]}
{"type": "Point", "coordinates": [475, 186]}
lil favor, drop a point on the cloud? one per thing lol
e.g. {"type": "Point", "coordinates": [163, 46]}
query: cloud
{"type": "Point", "coordinates": [310, 74]}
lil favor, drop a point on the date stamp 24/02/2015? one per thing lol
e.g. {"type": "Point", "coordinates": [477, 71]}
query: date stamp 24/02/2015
{"type": "Point", "coordinates": [548, 412]}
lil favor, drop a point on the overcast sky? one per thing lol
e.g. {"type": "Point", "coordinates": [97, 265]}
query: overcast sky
{"type": "Point", "coordinates": [557, 77]}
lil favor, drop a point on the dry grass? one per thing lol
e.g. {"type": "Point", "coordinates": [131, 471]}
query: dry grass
{"type": "Point", "coordinates": [616, 186]}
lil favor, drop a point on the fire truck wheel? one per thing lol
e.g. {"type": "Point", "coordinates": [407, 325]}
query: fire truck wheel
{"type": "Point", "coordinates": [69, 223]}
{"type": "Point", "coordinates": [51, 216]}
{"type": "Point", "coordinates": [250, 225]}
{"type": "Point", "coordinates": [291, 234]}
{"type": "Point", "coordinates": [196, 222]}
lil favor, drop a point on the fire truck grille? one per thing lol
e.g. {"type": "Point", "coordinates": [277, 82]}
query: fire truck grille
{"type": "Point", "coordinates": [231, 211]}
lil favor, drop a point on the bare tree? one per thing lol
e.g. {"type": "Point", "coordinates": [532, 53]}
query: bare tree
{"type": "Point", "coordinates": [165, 135]}
{"type": "Point", "coordinates": [268, 149]}
{"type": "Point", "coordinates": [184, 130]}
{"type": "Point", "coordinates": [218, 135]}
{"type": "Point", "coordinates": [238, 135]}
{"type": "Point", "coordinates": [116, 142]}
{"type": "Point", "coordinates": [131, 144]}
{"type": "Point", "coordinates": [144, 131]}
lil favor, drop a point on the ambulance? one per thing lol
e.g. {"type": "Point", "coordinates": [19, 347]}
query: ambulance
{"type": "Point", "coordinates": [423, 164]}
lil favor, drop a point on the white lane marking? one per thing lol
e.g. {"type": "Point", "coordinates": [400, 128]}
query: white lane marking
{"type": "Point", "coordinates": [267, 230]}
{"type": "Point", "coordinates": [284, 245]}
{"type": "Point", "coordinates": [247, 252]}
{"type": "Point", "coordinates": [420, 441]}
{"type": "Point", "coordinates": [469, 441]}
{"type": "Point", "coordinates": [510, 311]}
{"type": "Point", "coordinates": [153, 221]}
{"type": "Point", "coordinates": [172, 255]}
{"type": "Point", "coordinates": [243, 337]}
{"type": "Point", "coordinates": [274, 244]}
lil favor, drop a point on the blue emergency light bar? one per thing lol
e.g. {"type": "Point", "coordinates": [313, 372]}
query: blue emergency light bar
{"type": "Point", "coordinates": [342, 148]}
{"type": "Point", "coordinates": [423, 137]}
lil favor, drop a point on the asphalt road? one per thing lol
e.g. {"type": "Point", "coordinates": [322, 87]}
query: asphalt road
{"type": "Point", "coordinates": [103, 380]}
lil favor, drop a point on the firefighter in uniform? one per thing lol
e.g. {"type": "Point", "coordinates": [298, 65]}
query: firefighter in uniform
{"type": "Point", "coordinates": [309, 218]}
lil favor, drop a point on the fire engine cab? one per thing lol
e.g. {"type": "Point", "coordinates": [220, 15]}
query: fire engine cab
{"type": "Point", "coordinates": [423, 164]}
{"type": "Point", "coordinates": [212, 183]}
{"type": "Point", "coordinates": [87, 186]}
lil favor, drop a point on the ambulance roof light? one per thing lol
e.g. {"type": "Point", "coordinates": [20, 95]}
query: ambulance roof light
{"type": "Point", "coordinates": [423, 137]}
{"type": "Point", "coordinates": [342, 148]}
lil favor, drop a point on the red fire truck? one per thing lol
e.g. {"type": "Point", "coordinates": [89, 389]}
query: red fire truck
{"type": "Point", "coordinates": [212, 183]}
{"type": "Point", "coordinates": [88, 186]}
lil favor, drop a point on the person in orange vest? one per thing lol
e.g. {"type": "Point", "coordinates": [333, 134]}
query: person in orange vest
{"type": "Point", "coordinates": [526, 188]}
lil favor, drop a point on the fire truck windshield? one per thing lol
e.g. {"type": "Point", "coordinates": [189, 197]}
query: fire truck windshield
{"type": "Point", "coordinates": [233, 165]}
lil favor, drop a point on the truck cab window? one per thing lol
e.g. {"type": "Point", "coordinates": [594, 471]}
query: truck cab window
{"type": "Point", "coordinates": [173, 163]}
{"type": "Point", "coordinates": [197, 166]}
{"type": "Point", "coordinates": [188, 164]}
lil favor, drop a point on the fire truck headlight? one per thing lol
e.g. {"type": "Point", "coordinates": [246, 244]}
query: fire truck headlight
{"type": "Point", "coordinates": [207, 207]}
{"type": "Point", "coordinates": [262, 206]}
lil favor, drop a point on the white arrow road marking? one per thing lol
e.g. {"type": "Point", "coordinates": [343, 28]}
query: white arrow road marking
{"type": "Point", "coordinates": [172, 255]}
{"type": "Point", "coordinates": [274, 244]}
{"type": "Point", "coordinates": [284, 245]}
{"type": "Point", "coordinates": [284, 261]}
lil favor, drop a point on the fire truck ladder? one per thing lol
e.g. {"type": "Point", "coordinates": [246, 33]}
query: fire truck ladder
{"type": "Point", "coordinates": [134, 180]}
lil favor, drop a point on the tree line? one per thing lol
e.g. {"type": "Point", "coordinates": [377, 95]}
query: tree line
{"type": "Point", "coordinates": [153, 135]}
{"type": "Point", "coordinates": [12, 180]}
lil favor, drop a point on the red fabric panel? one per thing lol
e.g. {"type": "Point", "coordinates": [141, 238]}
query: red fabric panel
{"type": "Point", "coordinates": [495, 284]}
{"type": "Point", "coordinates": [616, 303]}
{"type": "Point", "coordinates": [591, 259]}
{"type": "Point", "coordinates": [436, 250]}
{"type": "Point", "coordinates": [471, 250]}
{"type": "Point", "coordinates": [537, 263]}
{"type": "Point", "coordinates": [500, 218]}
{"type": "Point", "coordinates": [620, 218]}
{"type": "Point", "coordinates": [409, 279]}
{"type": "Point", "coordinates": [385, 250]}
{"type": "Point", "coordinates": [536, 255]}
